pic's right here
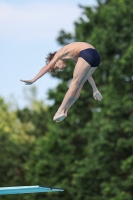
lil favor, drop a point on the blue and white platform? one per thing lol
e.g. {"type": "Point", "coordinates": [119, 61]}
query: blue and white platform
{"type": "Point", "coordinates": [27, 189]}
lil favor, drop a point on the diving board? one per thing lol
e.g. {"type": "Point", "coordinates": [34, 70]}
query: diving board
{"type": "Point", "coordinates": [27, 189]}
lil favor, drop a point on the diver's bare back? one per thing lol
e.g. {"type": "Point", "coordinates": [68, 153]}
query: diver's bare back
{"type": "Point", "coordinates": [71, 51]}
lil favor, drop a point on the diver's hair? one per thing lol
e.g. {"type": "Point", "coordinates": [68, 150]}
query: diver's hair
{"type": "Point", "coordinates": [48, 59]}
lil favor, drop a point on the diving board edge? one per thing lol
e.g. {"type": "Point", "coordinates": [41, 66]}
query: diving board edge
{"type": "Point", "coordinates": [28, 189]}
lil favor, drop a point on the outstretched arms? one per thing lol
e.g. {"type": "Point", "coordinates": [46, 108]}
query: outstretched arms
{"type": "Point", "coordinates": [96, 94]}
{"type": "Point", "coordinates": [43, 71]}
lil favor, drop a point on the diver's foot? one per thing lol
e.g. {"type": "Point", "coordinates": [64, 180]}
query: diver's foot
{"type": "Point", "coordinates": [59, 116]}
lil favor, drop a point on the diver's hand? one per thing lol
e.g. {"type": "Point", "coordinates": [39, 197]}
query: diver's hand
{"type": "Point", "coordinates": [97, 95]}
{"type": "Point", "coordinates": [27, 82]}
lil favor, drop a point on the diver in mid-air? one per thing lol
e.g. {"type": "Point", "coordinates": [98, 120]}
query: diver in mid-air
{"type": "Point", "coordinates": [87, 60]}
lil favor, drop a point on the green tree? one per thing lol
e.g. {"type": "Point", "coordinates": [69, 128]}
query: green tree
{"type": "Point", "coordinates": [90, 152]}
{"type": "Point", "coordinates": [14, 148]}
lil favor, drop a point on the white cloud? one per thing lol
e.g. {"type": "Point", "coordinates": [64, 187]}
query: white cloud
{"type": "Point", "coordinates": [36, 20]}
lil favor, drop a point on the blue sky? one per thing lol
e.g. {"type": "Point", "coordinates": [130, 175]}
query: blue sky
{"type": "Point", "coordinates": [28, 31]}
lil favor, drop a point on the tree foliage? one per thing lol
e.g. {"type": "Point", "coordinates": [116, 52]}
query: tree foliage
{"type": "Point", "coordinates": [15, 146]}
{"type": "Point", "coordinates": [105, 172]}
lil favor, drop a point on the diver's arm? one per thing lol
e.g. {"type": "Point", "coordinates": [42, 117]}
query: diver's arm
{"type": "Point", "coordinates": [43, 71]}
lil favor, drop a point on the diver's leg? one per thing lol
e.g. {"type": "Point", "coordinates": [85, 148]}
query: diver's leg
{"type": "Point", "coordinates": [80, 76]}
{"type": "Point", "coordinates": [91, 71]}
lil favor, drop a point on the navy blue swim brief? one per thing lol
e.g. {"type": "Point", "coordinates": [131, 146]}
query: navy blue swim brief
{"type": "Point", "coordinates": [91, 56]}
